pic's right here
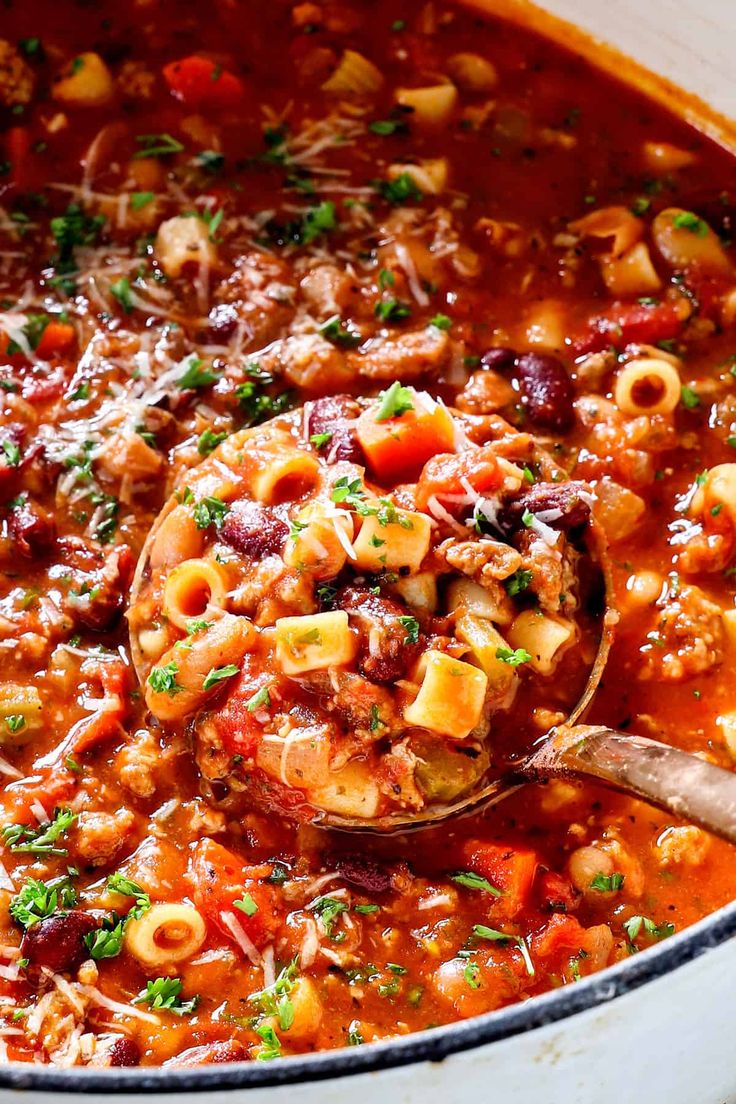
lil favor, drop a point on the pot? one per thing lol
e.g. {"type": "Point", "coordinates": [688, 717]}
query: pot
{"type": "Point", "coordinates": [652, 1028]}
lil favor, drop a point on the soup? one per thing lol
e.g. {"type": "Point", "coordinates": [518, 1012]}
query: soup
{"type": "Point", "coordinates": [342, 215]}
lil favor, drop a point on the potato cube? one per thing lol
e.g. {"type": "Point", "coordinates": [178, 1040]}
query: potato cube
{"type": "Point", "coordinates": [543, 637]}
{"type": "Point", "coordinates": [451, 696]}
{"type": "Point", "coordinates": [484, 641]}
{"type": "Point", "coordinates": [351, 792]}
{"type": "Point", "coordinates": [86, 82]}
{"type": "Point", "coordinates": [403, 542]}
{"type": "Point", "coordinates": [314, 642]}
{"type": "Point", "coordinates": [431, 106]}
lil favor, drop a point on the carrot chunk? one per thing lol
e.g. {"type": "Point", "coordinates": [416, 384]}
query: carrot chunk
{"type": "Point", "coordinates": [57, 339]}
{"type": "Point", "coordinates": [507, 868]}
{"type": "Point", "coordinates": [398, 445]}
{"type": "Point", "coordinates": [200, 83]}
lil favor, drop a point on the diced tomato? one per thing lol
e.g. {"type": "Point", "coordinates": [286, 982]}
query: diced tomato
{"type": "Point", "coordinates": [628, 323]}
{"type": "Point", "coordinates": [398, 447]}
{"type": "Point", "coordinates": [238, 726]}
{"type": "Point", "coordinates": [57, 339]}
{"type": "Point", "coordinates": [449, 473]}
{"type": "Point", "coordinates": [219, 878]}
{"type": "Point", "coordinates": [200, 83]}
{"type": "Point", "coordinates": [507, 868]}
{"type": "Point", "coordinates": [561, 937]}
{"type": "Point", "coordinates": [556, 893]}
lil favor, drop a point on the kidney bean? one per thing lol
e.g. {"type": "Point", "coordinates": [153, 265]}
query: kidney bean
{"type": "Point", "coordinates": [334, 414]}
{"type": "Point", "coordinates": [565, 497]}
{"type": "Point", "coordinates": [364, 873]}
{"type": "Point", "coordinates": [58, 941]}
{"type": "Point", "coordinates": [498, 359]}
{"type": "Point", "coordinates": [377, 620]}
{"type": "Point", "coordinates": [222, 322]}
{"type": "Point", "coordinates": [254, 530]}
{"type": "Point", "coordinates": [31, 528]}
{"type": "Point", "coordinates": [547, 392]}
{"type": "Point", "coordinates": [125, 1052]}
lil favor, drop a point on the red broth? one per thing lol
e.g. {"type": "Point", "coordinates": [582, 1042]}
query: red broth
{"type": "Point", "coordinates": [334, 240]}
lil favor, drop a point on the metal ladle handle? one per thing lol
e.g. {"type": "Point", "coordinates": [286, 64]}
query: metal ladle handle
{"type": "Point", "coordinates": [683, 784]}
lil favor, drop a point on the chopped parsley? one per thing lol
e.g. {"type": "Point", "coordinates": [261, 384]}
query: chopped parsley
{"type": "Point", "coordinates": [340, 333]}
{"type": "Point", "coordinates": [387, 127]}
{"type": "Point", "coordinates": [518, 582]}
{"type": "Point", "coordinates": [470, 880]}
{"type": "Point", "coordinates": [41, 840]}
{"type": "Point", "coordinates": [412, 629]}
{"type": "Point", "coordinates": [38, 900]}
{"type": "Point", "coordinates": [165, 993]}
{"type": "Point", "coordinates": [690, 397]}
{"type": "Point", "coordinates": [219, 674]}
{"type": "Point", "coordinates": [686, 220]}
{"type": "Point", "coordinates": [197, 625]}
{"type": "Point", "coordinates": [260, 700]}
{"type": "Point", "coordinates": [195, 376]}
{"type": "Point", "coordinates": [514, 657]}
{"type": "Point", "coordinates": [107, 940]}
{"type": "Point", "coordinates": [319, 440]}
{"type": "Point", "coordinates": [399, 191]}
{"type": "Point", "coordinates": [246, 905]}
{"type": "Point", "coordinates": [208, 441]}
{"type": "Point", "coordinates": [139, 200]}
{"type": "Point", "coordinates": [120, 290]}
{"type": "Point", "coordinates": [391, 310]}
{"type": "Point", "coordinates": [163, 680]}
{"type": "Point", "coordinates": [635, 925]}
{"type": "Point", "coordinates": [607, 883]}
{"type": "Point", "coordinates": [210, 511]}
{"type": "Point", "coordinates": [118, 883]}
{"type": "Point", "coordinates": [157, 145]}
{"type": "Point", "coordinates": [12, 453]}
{"type": "Point", "coordinates": [394, 402]}
{"type": "Point", "coordinates": [328, 909]}
{"type": "Point", "coordinates": [14, 722]}
{"type": "Point", "coordinates": [441, 322]}
{"type": "Point", "coordinates": [482, 931]}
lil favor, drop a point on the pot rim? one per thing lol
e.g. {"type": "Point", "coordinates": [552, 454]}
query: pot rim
{"type": "Point", "coordinates": [433, 1045]}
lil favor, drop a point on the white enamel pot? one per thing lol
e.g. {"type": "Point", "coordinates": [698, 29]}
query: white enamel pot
{"type": "Point", "coordinates": [656, 1029]}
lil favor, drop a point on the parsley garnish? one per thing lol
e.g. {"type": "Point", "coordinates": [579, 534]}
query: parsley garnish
{"type": "Point", "coordinates": [412, 629]}
{"type": "Point", "coordinates": [686, 220]}
{"type": "Point", "coordinates": [391, 310]}
{"type": "Point", "coordinates": [607, 883]}
{"type": "Point", "coordinates": [328, 909]}
{"type": "Point", "coordinates": [514, 657]}
{"type": "Point", "coordinates": [120, 290]}
{"type": "Point", "coordinates": [195, 376]}
{"type": "Point", "coordinates": [163, 680]}
{"type": "Point", "coordinates": [157, 145]}
{"type": "Point", "coordinates": [518, 582]}
{"type": "Point", "coordinates": [481, 931]}
{"type": "Point", "coordinates": [400, 190]}
{"type": "Point", "coordinates": [246, 905]}
{"type": "Point", "coordinates": [340, 333]}
{"type": "Point", "coordinates": [41, 840]}
{"type": "Point", "coordinates": [260, 700]}
{"type": "Point", "coordinates": [208, 441]}
{"type": "Point", "coordinates": [38, 900]}
{"type": "Point", "coordinates": [118, 883]}
{"type": "Point", "coordinates": [319, 440]}
{"type": "Point", "coordinates": [210, 511]}
{"type": "Point", "coordinates": [219, 674]}
{"type": "Point", "coordinates": [164, 993]}
{"type": "Point", "coordinates": [394, 402]}
{"type": "Point", "coordinates": [470, 880]}
{"type": "Point", "coordinates": [690, 397]}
